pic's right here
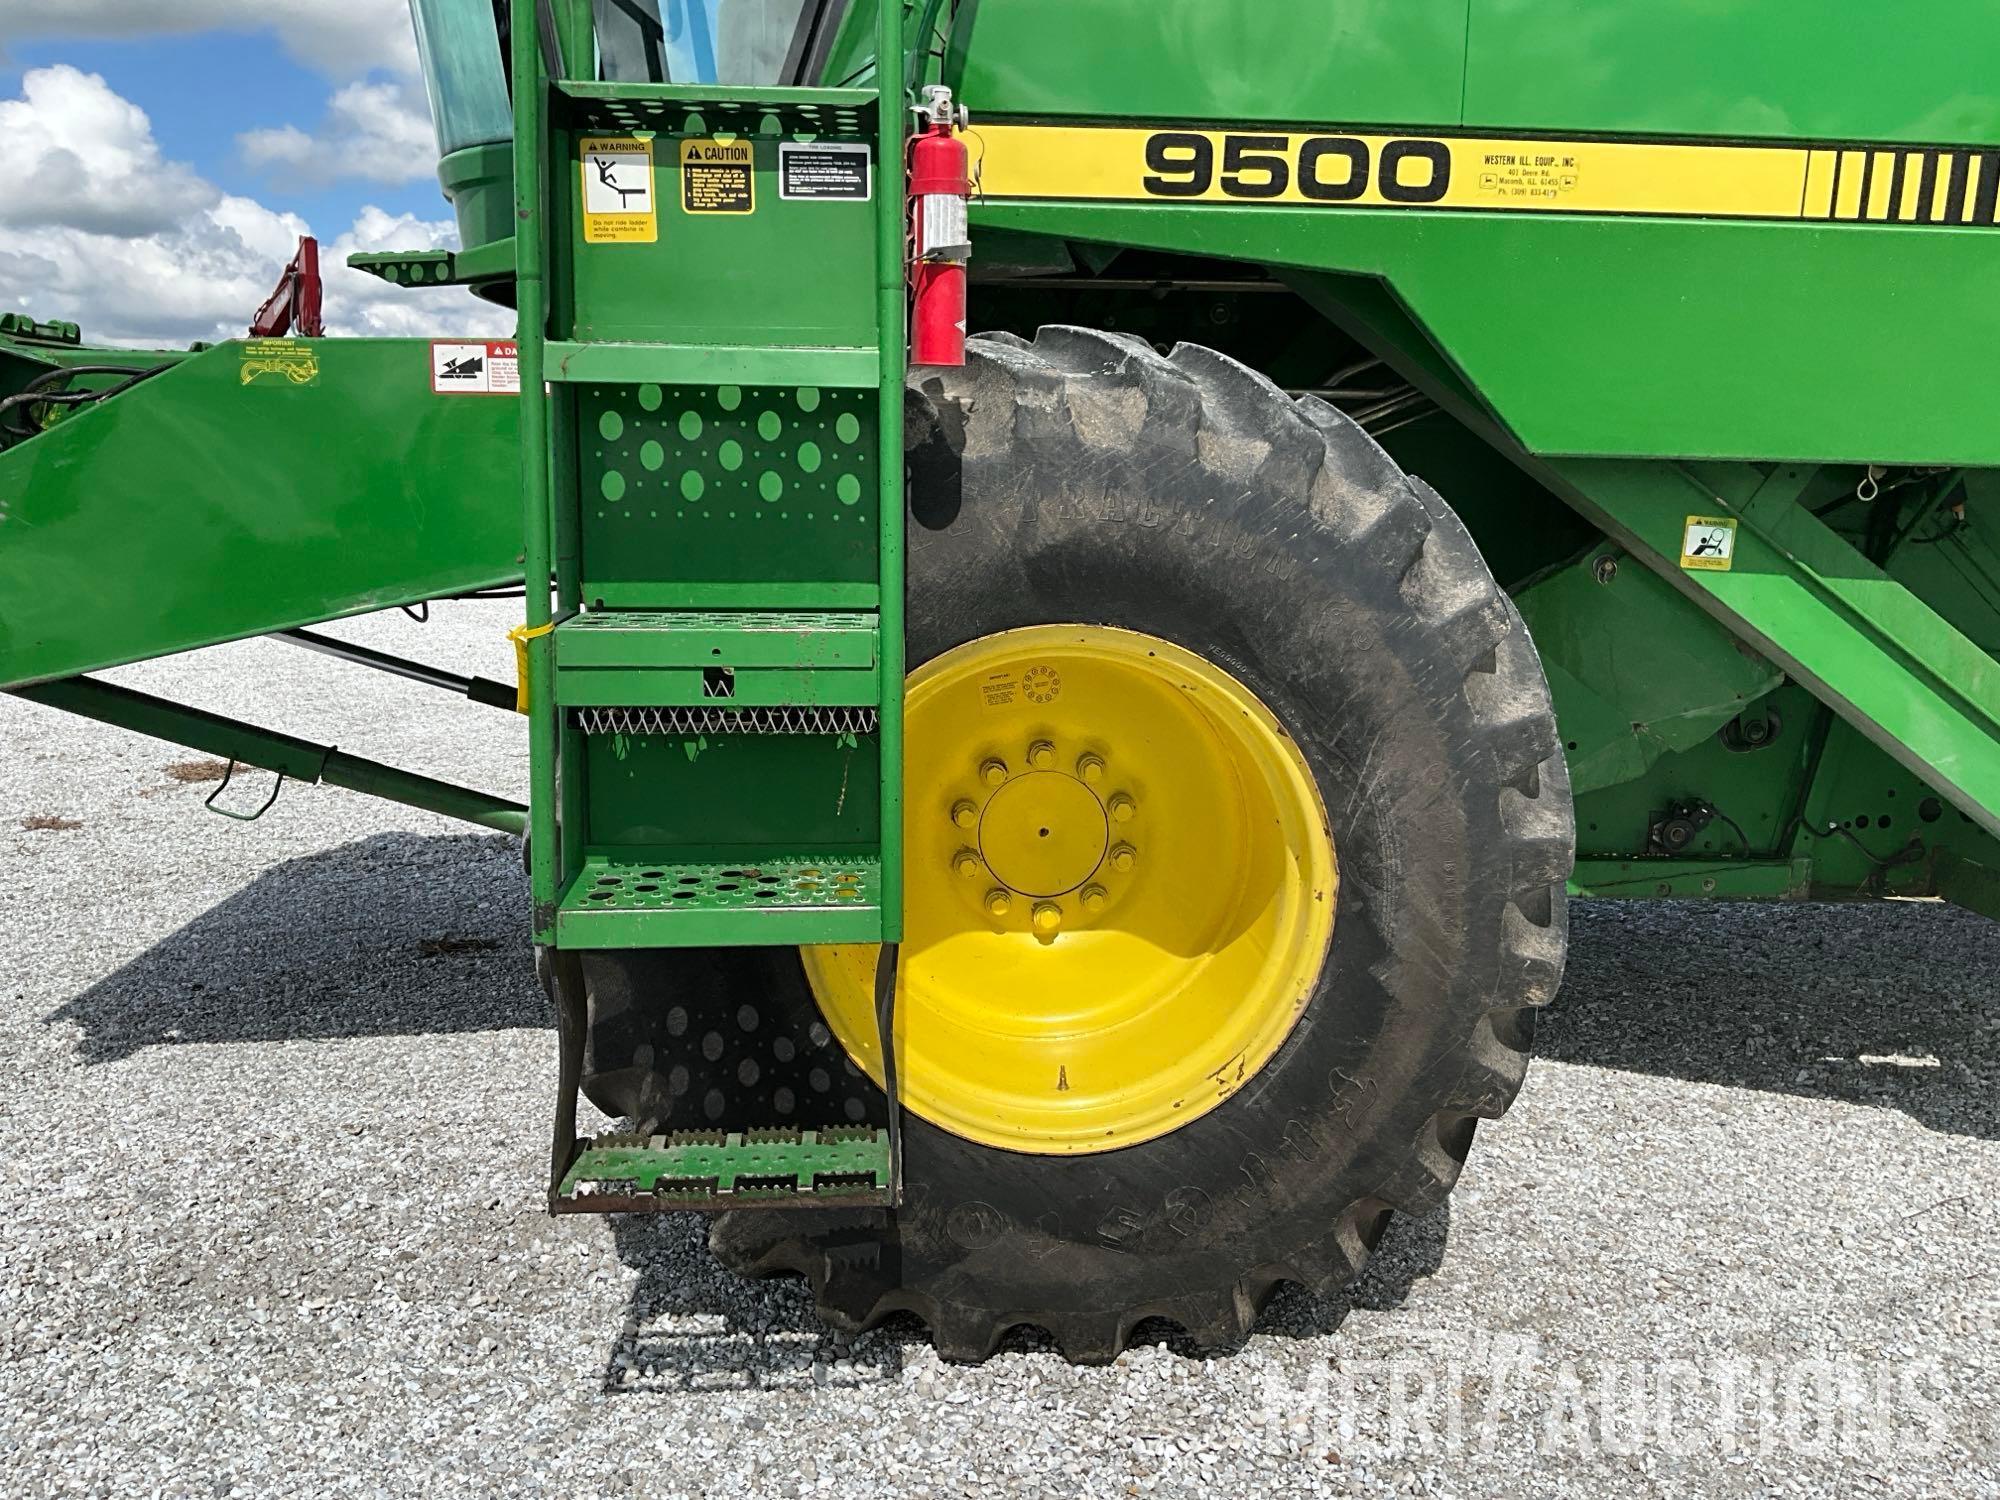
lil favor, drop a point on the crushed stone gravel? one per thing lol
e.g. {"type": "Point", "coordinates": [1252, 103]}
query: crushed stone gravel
{"type": "Point", "coordinates": [276, 1104]}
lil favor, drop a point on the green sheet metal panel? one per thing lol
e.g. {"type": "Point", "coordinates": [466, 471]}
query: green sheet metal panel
{"type": "Point", "coordinates": [1381, 61]}
{"type": "Point", "coordinates": [728, 274]}
{"type": "Point", "coordinates": [727, 485]}
{"type": "Point", "coordinates": [1832, 69]}
{"type": "Point", "coordinates": [222, 499]}
{"type": "Point", "coordinates": [1651, 338]}
{"type": "Point", "coordinates": [681, 796]}
{"type": "Point", "coordinates": [1587, 335]}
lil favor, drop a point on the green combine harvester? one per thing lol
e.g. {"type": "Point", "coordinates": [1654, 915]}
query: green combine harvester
{"type": "Point", "coordinates": [1074, 825]}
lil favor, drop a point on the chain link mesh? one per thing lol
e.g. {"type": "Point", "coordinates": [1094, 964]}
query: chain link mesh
{"type": "Point", "coordinates": [719, 721]}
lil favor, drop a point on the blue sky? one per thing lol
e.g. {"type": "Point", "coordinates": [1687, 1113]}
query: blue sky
{"type": "Point", "coordinates": [202, 91]}
{"type": "Point", "coordinates": [159, 160]}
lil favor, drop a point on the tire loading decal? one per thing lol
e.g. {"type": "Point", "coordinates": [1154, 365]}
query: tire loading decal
{"type": "Point", "coordinates": [1939, 186]}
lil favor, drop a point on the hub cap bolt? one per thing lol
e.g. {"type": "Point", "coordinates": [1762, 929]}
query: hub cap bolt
{"type": "Point", "coordinates": [999, 903]}
{"type": "Point", "coordinates": [1123, 857]}
{"type": "Point", "coordinates": [964, 814]}
{"type": "Point", "coordinates": [1042, 755]}
{"type": "Point", "coordinates": [966, 863]}
{"type": "Point", "coordinates": [1048, 918]}
{"type": "Point", "coordinates": [1094, 898]}
{"type": "Point", "coordinates": [1123, 808]}
{"type": "Point", "coordinates": [993, 772]}
{"type": "Point", "coordinates": [1090, 768]}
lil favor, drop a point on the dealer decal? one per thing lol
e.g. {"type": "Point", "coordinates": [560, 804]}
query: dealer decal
{"type": "Point", "coordinates": [1884, 185]}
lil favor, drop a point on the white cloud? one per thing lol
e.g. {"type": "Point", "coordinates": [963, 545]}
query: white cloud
{"type": "Point", "coordinates": [200, 275]}
{"type": "Point", "coordinates": [374, 129]}
{"type": "Point", "coordinates": [341, 38]}
{"type": "Point", "coordinates": [80, 157]}
{"type": "Point", "coordinates": [377, 131]}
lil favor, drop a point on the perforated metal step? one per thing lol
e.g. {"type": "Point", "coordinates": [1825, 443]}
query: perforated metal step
{"type": "Point", "coordinates": [841, 1167]}
{"type": "Point", "coordinates": [802, 900]}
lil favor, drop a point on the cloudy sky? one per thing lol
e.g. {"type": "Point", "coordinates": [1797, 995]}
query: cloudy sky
{"type": "Point", "coordinates": [160, 158]}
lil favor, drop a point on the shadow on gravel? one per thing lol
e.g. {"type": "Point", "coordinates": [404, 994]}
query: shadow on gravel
{"type": "Point", "coordinates": [693, 1328]}
{"type": "Point", "coordinates": [1895, 1004]}
{"type": "Point", "coordinates": [398, 934]}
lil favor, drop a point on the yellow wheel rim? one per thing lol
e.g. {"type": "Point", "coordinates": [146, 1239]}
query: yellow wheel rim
{"type": "Point", "coordinates": [1120, 889]}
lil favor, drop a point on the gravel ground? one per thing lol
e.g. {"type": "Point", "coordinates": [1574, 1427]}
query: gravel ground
{"type": "Point", "coordinates": [272, 1137]}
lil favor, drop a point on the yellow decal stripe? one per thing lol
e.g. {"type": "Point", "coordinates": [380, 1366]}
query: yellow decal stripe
{"type": "Point", "coordinates": [1309, 169]}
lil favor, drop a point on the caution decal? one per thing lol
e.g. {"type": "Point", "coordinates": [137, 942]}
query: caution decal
{"type": "Point", "coordinates": [718, 177]}
{"type": "Point", "coordinates": [1800, 183]}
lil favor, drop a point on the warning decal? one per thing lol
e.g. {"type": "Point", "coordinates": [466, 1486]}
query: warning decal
{"type": "Point", "coordinates": [279, 362]}
{"type": "Point", "coordinates": [492, 368]}
{"type": "Point", "coordinates": [1708, 545]}
{"type": "Point", "coordinates": [824, 171]}
{"type": "Point", "coordinates": [718, 177]}
{"type": "Point", "coordinates": [618, 205]}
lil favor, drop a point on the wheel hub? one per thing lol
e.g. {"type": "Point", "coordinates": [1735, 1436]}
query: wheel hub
{"type": "Point", "coordinates": [1044, 834]}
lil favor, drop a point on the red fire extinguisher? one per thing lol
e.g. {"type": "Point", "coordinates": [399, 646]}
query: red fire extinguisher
{"type": "Point", "coordinates": [941, 243]}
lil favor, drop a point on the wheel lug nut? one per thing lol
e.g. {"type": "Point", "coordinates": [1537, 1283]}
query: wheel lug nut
{"type": "Point", "coordinates": [1094, 897]}
{"type": "Point", "coordinates": [1048, 918]}
{"type": "Point", "coordinates": [1090, 768]}
{"type": "Point", "coordinates": [964, 814]}
{"type": "Point", "coordinates": [1123, 808]}
{"type": "Point", "coordinates": [966, 863]}
{"type": "Point", "coordinates": [1042, 755]}
{"type": "Point", "coordinates": [993, 772]}
{"type": "Point", "coordinates": [1123, 857]}
{"type": "Point", "coordinates": [998, 903]}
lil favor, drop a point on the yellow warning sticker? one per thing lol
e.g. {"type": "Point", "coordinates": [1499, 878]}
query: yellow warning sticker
{"type": "Point", "coordinates": [1708, 545]}
{"type": "Point", "coordinates": [279, 362]}
{"type": "Point", "coordinates": [618, 203]}
{"type": "Point", "coordinates": [718, 177]}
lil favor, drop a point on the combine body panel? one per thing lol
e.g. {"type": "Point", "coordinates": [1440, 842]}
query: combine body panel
{"type": "Point", "coordinates": [1424, 461]}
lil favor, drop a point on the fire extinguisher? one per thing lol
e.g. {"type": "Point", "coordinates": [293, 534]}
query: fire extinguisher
{"type": "Point", "coordinates": [941, 242]}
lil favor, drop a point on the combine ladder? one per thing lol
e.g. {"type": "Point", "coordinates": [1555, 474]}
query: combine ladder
{"type": "Point", "coordinates": [712, 300]}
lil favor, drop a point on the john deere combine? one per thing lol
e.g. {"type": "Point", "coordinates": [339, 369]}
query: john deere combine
{"type": "Point", "coordinates": [1175, 917]}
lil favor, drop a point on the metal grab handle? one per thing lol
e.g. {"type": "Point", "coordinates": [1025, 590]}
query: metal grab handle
{"type": "Point", "coordinates": [237, 817]}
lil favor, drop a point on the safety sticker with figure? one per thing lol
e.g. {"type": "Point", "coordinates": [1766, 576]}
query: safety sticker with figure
{"type": "Point", "coordinates": [1708, 545]}
{"type": "Point", "coordinates": [491, 368]}
{"type": "Point", "coordinates": [618, 205]}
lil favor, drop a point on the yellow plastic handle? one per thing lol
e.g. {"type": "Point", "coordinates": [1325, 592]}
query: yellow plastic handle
{"type": "Point", "coordinates": [520, 635]}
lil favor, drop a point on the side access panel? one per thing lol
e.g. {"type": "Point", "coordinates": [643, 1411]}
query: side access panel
{"type": "Point", "coordinates": [252, 488]}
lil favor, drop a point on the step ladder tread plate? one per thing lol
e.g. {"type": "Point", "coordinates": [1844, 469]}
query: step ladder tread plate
{"type": "Point", "coordinates": [735, 638]}
{"type": "Point", "coordinates": [839, 1167]}
{"type": "Point", "coordinates": [805, 899]}
{"type": "Point", "coordinates": [724, 107]}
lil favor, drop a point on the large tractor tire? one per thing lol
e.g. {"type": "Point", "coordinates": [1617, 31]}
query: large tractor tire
{"type": "Point", "coordinates": [1238, 833]}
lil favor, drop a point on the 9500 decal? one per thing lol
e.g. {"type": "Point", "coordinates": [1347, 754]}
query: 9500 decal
{"type": "Point", "coordinates": [1909, 185]}
{"type": "Point", "coordinates": [1321, 168]}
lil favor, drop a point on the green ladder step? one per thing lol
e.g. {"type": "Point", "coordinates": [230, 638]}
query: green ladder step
{"type": "Point", "coordinates": [738, 638]}
{"type": "Point", "coordinates": [836, 367]}
{"type": "Point", "coordinates": [730, 109]}
{"type": "Point", "coordinates": [748, 659]}
{"type": "Point", "coordinates": [783, 902]}
{"type": "Point", "coordinates": [842, 1167]}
